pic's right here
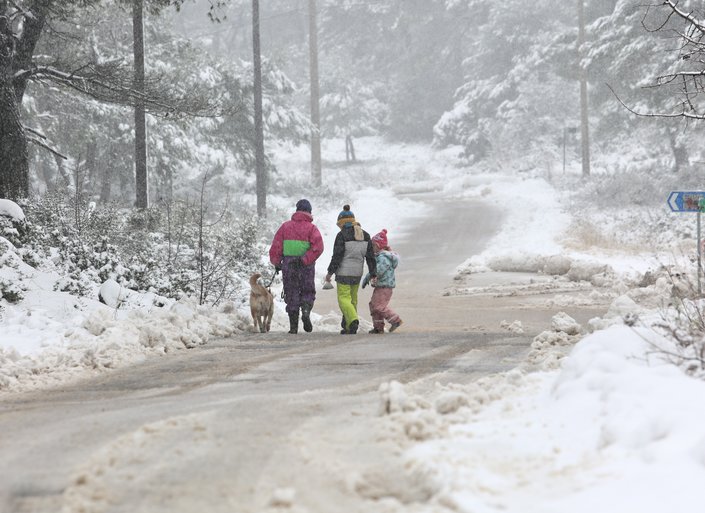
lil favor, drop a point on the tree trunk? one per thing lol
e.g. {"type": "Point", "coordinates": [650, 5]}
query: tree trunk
{"type": "Point", "coordinates": [584, 128]}
{"type": "Point", "coordinates": [79, 180]}
{"type": "Point", "coordinates": [105, 186]}
{"type": "Point", "coordinates": [15, 54]}
{"type": "Point", "coordinates": [169, 184]}
{"type": "Point", "coordinates": [165, 190]}
{"type": "Point", "coordinates": [91, 173]}
{"type": "Point", "coordinates": [62, 173]}
{"type": "Point", "coordinates": [141, 188]}
{"type": "Point", "coordinates": [315, 94]}
{"type": "Point", "coordinates": [14, 164]}
{"type": "Point", "coordinates": [105, 180]}
{"type": "Point", "coordinates": [680, 152]}
{"type": "Point", "coordinates": [259, 131]}
{"type": "Point", "coordinates": [48, 177]}
{"type": "Point", "coordinates": [349, 149]}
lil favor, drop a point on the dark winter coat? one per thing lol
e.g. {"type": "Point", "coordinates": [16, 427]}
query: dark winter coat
{"type": "Point", "coordinates": [349, 256]}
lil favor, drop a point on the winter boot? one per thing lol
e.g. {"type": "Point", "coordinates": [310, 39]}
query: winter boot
{"type": "Point", "coordinates": [344, 331]}
{"type": "Point", "coordinates": [306, 317]}
{"type": "Point", "coordinates": [293, 322]}
{"type": "Point", "coordinates": [376, 331]}
{"type": "Point", "coordinates": [395, 325]}
{"type": "Point", "coordinates": [352, 330]}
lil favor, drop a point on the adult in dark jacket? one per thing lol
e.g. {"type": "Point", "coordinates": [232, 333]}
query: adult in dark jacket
{"type": "Point", "coordinates": [295, 249]}
{"type": "Point", "coordinates": [352, 248]}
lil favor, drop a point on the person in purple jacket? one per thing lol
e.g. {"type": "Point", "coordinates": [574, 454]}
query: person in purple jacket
{"type": "Point", "coordinates": [295, 249]}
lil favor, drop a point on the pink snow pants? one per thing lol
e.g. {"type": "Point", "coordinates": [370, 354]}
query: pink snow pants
{"type": "Point", "coordinates": [379, 308]}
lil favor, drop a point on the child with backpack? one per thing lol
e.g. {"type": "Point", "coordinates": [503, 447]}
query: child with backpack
{"type": "Point", "coordinates": [352, 248]}
{"type": "Point", "coordinates": [384, 284]}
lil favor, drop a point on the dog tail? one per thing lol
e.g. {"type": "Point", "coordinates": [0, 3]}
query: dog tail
{"type": "Point", "coordinates": [254, 278]}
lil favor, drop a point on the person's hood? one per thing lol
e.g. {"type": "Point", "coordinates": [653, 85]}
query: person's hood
{"type": "Point", "coordinates": [300, 215]}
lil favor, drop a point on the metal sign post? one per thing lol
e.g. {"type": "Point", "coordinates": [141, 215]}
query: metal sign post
{"type": "Point", "coordinates": [690, 201]}
{"type": "Point", "coordinates": [701, 209]}
{"type": "Point", "coordinates": [700, 289]}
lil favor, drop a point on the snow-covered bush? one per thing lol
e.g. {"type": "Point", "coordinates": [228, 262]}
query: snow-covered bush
{"type": "Point", "coordinates": [12, 221]}
{"type": "Point", "coordinates": [11, 290]}
{"type": "Point", "coordinates": [11, 286]}
{"type": "Point", "coordinates": [685, 325]}
{"type": "Point", "coordinates": [683, 322]}
{"type": "Point", "coordinates": [172, 250]}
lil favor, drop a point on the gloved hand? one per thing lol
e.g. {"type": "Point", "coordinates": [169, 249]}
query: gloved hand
{"type": "Point", "coordinates": [365, 281]}
{"type": "Point", "coordinates": [277, 268]}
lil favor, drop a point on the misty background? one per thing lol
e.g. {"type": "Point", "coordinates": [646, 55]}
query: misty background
{"type": "Point", "coordinates": [541, 88]}
{"type": "Point", "coordinates": [501, 80]}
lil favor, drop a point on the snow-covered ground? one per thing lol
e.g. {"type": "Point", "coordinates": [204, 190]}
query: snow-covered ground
{"type": "Point", "coordinates": [615, 429]}
{"type": "Point", "coordinates": [612, 426]}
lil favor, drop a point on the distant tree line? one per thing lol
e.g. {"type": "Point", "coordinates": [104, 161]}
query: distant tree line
{"type": "Point", "coordinates": [500, 80]}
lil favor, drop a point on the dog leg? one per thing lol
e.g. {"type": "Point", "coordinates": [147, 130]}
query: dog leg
{"type": "Point", "coordinates": [270, 311]}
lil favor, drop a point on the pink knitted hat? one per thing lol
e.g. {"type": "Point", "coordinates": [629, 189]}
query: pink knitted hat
{"type": "Point", "coordinates": [381, 239]}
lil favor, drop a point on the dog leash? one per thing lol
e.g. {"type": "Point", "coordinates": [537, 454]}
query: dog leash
{"type": "Point", "coordinates": [276, 271]}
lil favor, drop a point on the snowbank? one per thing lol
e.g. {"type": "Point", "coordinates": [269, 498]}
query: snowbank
{"type": "Point", "coordinates": [615, 425]}
{"type": "Point", "coordinates": [60, 352]}
{"type": "Point", "coordinates": [50, 337]}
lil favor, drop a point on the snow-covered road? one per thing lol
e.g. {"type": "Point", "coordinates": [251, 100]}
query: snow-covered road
{"type": "Point", "coordinates": [224, 427]}
{"type": "Point", "coordinates": [263, 422]}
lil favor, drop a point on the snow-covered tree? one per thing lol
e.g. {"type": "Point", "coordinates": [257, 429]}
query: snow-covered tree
{"type": "Point", "coordinates": [29, 53]}
{"type": "Point", "coordinates": [414, 47]}
{"type": "Point", "coordinates": [503, 55]}
{"type": "Point", "coordinates": [625, 55]}
{"type": "Point", "coordinates": [181, 148]}
{"type": "Point", "coordinates": [352, 109]}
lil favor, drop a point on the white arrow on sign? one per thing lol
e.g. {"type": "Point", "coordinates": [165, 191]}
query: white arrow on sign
{"type": "Point", "coordinates": [672, 201]}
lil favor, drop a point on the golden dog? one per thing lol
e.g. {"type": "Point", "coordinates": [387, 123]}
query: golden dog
{"type": "Point", "coordinates": [261, 304]}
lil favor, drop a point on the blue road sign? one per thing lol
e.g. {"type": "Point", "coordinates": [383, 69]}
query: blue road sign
{"type": "Point", "coordinates": [686, 201]}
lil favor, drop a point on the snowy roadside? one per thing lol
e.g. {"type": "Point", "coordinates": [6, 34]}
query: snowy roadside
{"type": "Point", "coordinates": [53, 337]}
{"type": "Point", "coordinates": [616, 429]}
{"type": "Point", "coordinates": [598, 417]}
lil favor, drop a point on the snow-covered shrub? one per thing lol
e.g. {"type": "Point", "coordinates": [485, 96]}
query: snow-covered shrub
{"type": "Point", "coordinates": [625, 188]}
{"type": "Point", "coordinates": [89, 263]}
{"type": "Point", "coordinates": [682, 320]}
{"type": "Point", "coordinates": [11, 290]}
{"type": "Point", "coordinates": [76, 283]}
{"type": "Point", "coordinates": [11, 285]}
{"type": "Point", "coordinates": [172, 250]}
{"type": "Point", "coordinates": [147, 219]}
{"type": "Point", "coordinates": [11, 227]}
{"type": "Point", "coordinates": [685, 325]}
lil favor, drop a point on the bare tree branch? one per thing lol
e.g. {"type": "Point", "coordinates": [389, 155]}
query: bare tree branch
{"type": "Point", "coordinates": [691, 47]}
{"type": "Point", "coordinates": [36, 141]}
{"type": "Point", "coordinates": [687, 16]}
{"type": "Point", "coordinates": [42, 141]}
{"type": "Point", "coordinates": [683, 114]}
